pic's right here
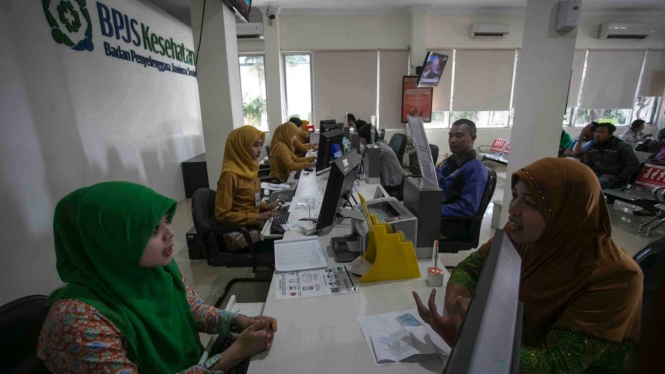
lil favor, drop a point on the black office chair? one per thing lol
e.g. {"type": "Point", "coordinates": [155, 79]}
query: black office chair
{"type": "Point", "coordinates": [214, 248]}
{"type": "Point", "coordinates": [474, 222]}
{"type": "Point", "coordinates": [382, 134]}
{"type": "Point", "coordinates": [650, 259]}
{"type": "Point", "coordinates": [398, 145]}
{"type": "Point", "coordinates": [434, 149]}
{"type": "Point", "coordinates": [21, 322]}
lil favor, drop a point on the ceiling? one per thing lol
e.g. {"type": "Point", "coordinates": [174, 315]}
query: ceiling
{"type": "Point", "coordinates": [180, 8]}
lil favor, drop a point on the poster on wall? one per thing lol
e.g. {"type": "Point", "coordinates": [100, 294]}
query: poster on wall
{"type": "Point", "coordinates": [416, 101]}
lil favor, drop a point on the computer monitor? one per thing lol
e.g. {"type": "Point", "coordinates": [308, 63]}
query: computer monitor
{"type": "Point", "coordinates": [347, 132]}
{"type": "Point", "coordinates": [340, 185]}
{"type": "Point", "coordinates": [326, 122]}
{"type": "Point", "coordinates": [490, 336]}
{"type": "Point", "coordinates": [325, 155]}
{"type": "Point", "coordinates": [327, 127]}
{"type": "Point", "coordinates": [355, 142]}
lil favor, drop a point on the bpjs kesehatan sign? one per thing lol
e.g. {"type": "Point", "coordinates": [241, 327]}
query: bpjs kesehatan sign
{"type": "Point", "coordinates": [71, 25]}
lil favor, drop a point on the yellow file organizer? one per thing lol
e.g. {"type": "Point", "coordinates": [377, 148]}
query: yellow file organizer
{"type": "Point", "coordinates": [392, 255]}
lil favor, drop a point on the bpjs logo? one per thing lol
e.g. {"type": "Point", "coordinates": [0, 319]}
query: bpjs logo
{"type": "Point", "coordinates": [70, 23]}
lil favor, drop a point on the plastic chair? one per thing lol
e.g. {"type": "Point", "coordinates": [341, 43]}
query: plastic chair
{"type": "Point", "coordinates": [475, 222]}
{"type": "Point", "coordinates": [21, 322]}
{"type": "Point", "coordinates": [650, 259]}
{"type": "Point", "coordinates": [398, 145]}
{"type": "Point", "coordinates": [214, 249]}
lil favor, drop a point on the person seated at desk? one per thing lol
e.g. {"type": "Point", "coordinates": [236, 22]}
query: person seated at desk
{"type": "Point", "coordinates": [283, 160]}
{"type": "Point", "coordinates": [611, 159]}
{"type": "Point", "coordinates": [565, 142]}
{"type": "Point", "coordinates": [579, 147]}
{"type": "Point", "coordinates": [299, 144]}
{"type": "Point", "coordinates": [126, 307]}
{"type": "Point", "coordinates": [392, 173]}
{"type": "Point", "coordinates": [634, 134]}
{"type": "Point", "coordinates": [582, 293]}
{"type": "Point", "coordinates": [462, 177]}
{"type": "Point", "coordinates": [352, 122]}
{"type": "Point", "coordinates": [238, 199]}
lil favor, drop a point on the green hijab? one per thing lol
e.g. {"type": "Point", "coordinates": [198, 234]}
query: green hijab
{"type": "Point", "coordinates": [100, 234]}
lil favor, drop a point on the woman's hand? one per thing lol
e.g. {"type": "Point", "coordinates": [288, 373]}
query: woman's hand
{"type": "Point", "coordinates": [446, 326]}
{"type": "Point", "coordinates": [267, 215]}
{"type": "Point", "coordinates": [243, 322]}
{"type": "Point", "coordinates": [275, 205]}
{"type": "Point", "coordinates": [254, 339]}
{"type": "Point", "coordinates": [312, 164]}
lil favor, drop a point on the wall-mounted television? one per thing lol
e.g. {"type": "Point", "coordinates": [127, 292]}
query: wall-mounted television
{"type": "Point", "coordinates": [240, 7]}
{"type": "Point", "coordinates": [432, 69]}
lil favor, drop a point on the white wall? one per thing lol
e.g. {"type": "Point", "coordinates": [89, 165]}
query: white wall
{"type": "Point", "coordinates": [320, 32]}
{"type": "Point", "coordinates": [452, 31]}
{"type": "Point", "coordinates": [74, 118]}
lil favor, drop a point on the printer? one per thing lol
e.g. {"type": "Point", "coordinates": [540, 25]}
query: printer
{"type": "Point", "coordinates": [387, 210]}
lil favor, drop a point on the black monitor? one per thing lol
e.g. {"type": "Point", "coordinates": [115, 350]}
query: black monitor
{"type": "Point", "coordinates": [240, 7]}
{"type": "Point", "coordinates": [325, 154]}
{"type": "Point", "coordinates": [327, 122]}
{"type": "Point", "coordinates": [340, 185]}
{"type": "Point", "coordinates": [327, 127]}
{"type": "Point", "coordinates": [347, 132]}
{"type": "Point", "coordinates": [432, 69]}
{"type": "Point", "coordinates": [355, 142]}
{"type": "Point", "coordinates": [490, 336]}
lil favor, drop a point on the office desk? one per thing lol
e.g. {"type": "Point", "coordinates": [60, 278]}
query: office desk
{"type": "Point", "coordinates": [320, 335]}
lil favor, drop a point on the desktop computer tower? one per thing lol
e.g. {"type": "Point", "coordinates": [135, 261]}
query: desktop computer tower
{"type": "Point", "coordinates": [425, 203]}
{"type": "Point", "coordinates": [372, 163]}
{"type": "Point", "coordinates": [195, 252]}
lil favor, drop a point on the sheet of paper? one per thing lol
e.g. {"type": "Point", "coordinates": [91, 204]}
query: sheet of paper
{"type": "Point", "coordinates": [330, 281]}
{"type": "Point", "coordinates": [313, 206]}
{"type": "Point", "coordinates": [299, 254]}
{"type": "Point", "coordinates": [399, 345]}
{"type": "Point", "coordinates": [274, 186]}
{"type": "Point", "coordinates": [383, 324]}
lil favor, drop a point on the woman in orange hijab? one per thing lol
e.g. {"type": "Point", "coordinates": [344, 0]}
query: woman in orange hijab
{"type": "Point", "coordinates": [582, 293]}
{"type": "Point", "coordinates": [283, 159]}
{"type": "Point", "coordinates": [238, 200]}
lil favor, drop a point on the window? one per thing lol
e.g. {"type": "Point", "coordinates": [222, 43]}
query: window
{"type": "Point", "coordinates": [253, 86]}
{"type": "Point", "coordinates": [298, 76]}
{"type": "Point", "coordinates": [646, 108]}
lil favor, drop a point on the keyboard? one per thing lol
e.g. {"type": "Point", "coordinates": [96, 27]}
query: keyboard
{"type": "Point", "coordinates": [275, 226]}
{"type": "Point", "coordinates": [222, 344]}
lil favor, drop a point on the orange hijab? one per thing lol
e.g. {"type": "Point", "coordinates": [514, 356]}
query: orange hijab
{"type": "Point", "coordinates": [283, 135]}
{"type": "Point", "coordinates": [575, 276]}
{"type": "Point", "coordinates": [237, 159]}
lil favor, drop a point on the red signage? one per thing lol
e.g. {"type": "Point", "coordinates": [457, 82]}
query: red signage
{"type": "Point", "coordinates": [652, 176]}
{"type": "Point", "coordinates": [498, 144]}
{"type": "Point", "coordinates": [416, 101]}
{"type": "Point", "coordinates": [507, 150]}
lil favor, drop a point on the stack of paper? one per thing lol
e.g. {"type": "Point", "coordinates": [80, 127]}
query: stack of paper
{"type": "Point", "coordinates": [299, 254]}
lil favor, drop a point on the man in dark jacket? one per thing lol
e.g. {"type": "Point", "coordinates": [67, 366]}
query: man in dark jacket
{"type": "Point", "coordinates": [611, 159]}
{"type": "Point", "coordinates": [462, 177]}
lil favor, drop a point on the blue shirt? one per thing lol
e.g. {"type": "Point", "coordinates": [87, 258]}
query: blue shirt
{"type": "Point", "coordinates": [462, 179]}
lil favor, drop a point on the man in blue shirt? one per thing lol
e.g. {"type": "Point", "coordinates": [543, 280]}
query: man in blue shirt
{"type": "Point", "coordinates": [462, 177]}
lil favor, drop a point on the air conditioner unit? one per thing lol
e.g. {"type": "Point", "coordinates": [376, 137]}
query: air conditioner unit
{"type": "Point", "coordinates": [249, 30]}
{"type": "Point", "coordinates": [625, 31]}
{"type": "Point", "coordinates": [488, 29]}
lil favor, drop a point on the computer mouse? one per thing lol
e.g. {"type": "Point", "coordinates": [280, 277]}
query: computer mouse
{"type": "Point", "coordinates": [309, 169]}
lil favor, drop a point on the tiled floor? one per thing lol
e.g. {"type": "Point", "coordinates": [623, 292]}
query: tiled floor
{"type": "Point", "coordinates": [209, 282]}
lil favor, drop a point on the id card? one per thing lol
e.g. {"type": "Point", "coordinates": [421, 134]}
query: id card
{"type": "Point", "coordinates": [408, 320]}
{"type": "Point", "coordinates": [257, 199]}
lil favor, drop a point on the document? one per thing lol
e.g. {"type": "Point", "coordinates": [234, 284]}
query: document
{"type": "Point", "coordinates": [306, 227]}
{"type": "Point", "coordinates": [309, 283]}
{"type": "Point", "coordinates": [299, 254]}
{"type": "Point", "coordinates": [395, 336]}
{"type": "Point", "coordinates": [307, 205]}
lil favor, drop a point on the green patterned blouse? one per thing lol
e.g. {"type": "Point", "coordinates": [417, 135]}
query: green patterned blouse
{"type": "Point", "coordinates": [564, 350]}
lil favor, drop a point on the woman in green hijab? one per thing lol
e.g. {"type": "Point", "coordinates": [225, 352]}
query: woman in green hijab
{"type": "Point", "coordinates": [126, 307]}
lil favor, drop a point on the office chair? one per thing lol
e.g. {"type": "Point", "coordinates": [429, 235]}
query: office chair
{"type": "Point", "coordinates": [398, 145]}
{"type": "Point", "coordinates": [382, 134]}
{"type": "Point", "coordinates": [434, 149]}
{"type": "Point", "coordinates": [21, 322]}
{"type": "Point", "coordinates": [474, 222]}
{"type": "Point", "coordinates": [650, 259]}
{"type": "Point", "coordinates": [214, 248]}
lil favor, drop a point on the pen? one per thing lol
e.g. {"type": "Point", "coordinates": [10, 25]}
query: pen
{"type": "Point", "coordinates": [436, 253]}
